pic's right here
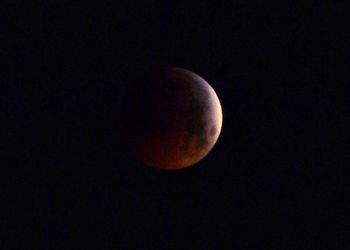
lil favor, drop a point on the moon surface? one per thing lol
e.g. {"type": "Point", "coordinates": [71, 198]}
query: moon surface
{"type": "Point", "coordinates": [179, 119]}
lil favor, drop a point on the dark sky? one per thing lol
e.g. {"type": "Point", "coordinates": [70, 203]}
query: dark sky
{"type": "Point", "coordinates": [274, 179]}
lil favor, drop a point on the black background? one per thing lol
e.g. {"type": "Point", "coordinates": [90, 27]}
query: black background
{"type": "Point", "coordinates": [274, 179]}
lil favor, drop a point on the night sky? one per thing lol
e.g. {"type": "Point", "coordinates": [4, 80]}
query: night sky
{"type": "Point", "coordinates": [273, 180]}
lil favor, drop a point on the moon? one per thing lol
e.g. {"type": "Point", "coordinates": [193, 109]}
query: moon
{"type": "Point", "coordinates": [179, 119]}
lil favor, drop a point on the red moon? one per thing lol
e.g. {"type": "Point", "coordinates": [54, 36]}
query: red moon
{"type": "Point", "coordinates": [179, 119]}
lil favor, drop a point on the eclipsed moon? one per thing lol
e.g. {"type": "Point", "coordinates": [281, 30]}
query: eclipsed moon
{"type": "Point", "coordinates": [179, 119]}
